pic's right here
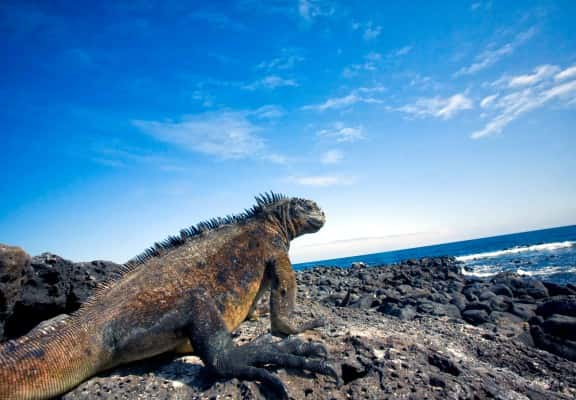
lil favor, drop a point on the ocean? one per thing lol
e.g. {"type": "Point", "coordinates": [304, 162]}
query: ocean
{"type": "Point", "coordinates": [547, 254]}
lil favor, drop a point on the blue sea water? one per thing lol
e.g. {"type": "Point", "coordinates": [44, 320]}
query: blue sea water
{"type": "Point", "coordinates": [548, 254]}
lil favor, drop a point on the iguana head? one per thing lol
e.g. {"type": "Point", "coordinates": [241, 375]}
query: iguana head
{"type": "Point", "coordinates": [305, 215]}
{"type": "Point", "coordinates": [295, 216]}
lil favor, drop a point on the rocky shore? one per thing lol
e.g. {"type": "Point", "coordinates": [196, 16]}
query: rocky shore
{"type": "Point", "coordinates": [417, 330]}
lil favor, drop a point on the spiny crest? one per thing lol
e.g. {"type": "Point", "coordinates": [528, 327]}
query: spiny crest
{"type": "Point", "coordinates": [262, 200]}
{"type": "Point", "coordinates": [266, 199]}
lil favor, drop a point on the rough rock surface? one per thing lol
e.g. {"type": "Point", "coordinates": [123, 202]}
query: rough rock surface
{"type": "Point", "coordinates": [418, 330]}
{"type": "Point", "coordinates": [13, 263]}
{"type": "Point", "coordinates": [39, 288]}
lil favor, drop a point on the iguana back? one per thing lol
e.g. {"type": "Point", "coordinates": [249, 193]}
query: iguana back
{"type": "Point", "coordinates": [147, 310]}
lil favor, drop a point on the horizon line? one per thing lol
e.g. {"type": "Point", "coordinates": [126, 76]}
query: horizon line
{"type": "Point", "coordinates": [435, 244]}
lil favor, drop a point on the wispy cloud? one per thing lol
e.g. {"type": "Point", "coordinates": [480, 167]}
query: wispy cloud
{"type": "Point", "coordinates": [287, 59]}
{"type": "Point", "coordinates": [525, 93]}
{"type": "Point", "coordinates": [331, 157]}
{"type": "Point", "coordinates": [362, 95]}
{"type": "Point", "coordinates": [422, 82]}
{"type": "Point", "coordinates": [217, 19]}
{"type": "Point", "coordinates": [494, 53]}
{"type": "Point", "coordinates": [369, 29]}
{"type": "Point", "coordinates": [438, 107]}
{"type": "Point", "coordinates": [488, 100]}
{"type": "Point", "coordinates": [372, 31]}
{"type": "Point", "coordinates": [371, 62]}
{"type": "Point", "coordinates": [540, 73]}
{"type": "Point", "coordinates": [321, 180]}
{"type": "Point", "coordinates": [481, 5]}
{"type": "Point", "coordinates": [310, 9]}
{"type": "Point", "coordinates": [342, 133]}
{"type": "Point", "coordinates": [120, 157]}
{"type": "Point", "coordinates": [305, 10]}
{"type": "Point", "coordinates": [268, 112]}
{"type": "Point", "coordinates": [371, 89]}
{"type": "Point", "coordinates": [270, 82]}
{"type": "Point", "coordinates": [267, 82]}
{"type": "Point", "coordinates": [203, 97]}
{"type": "Point", "coordinates": [567, 73]}
{"type": "Point", "coordinates": [402, 51]}
{"type": "Point", "coordinates": [223, 134]}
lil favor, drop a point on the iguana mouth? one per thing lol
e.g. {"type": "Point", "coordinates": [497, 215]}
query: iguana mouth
{"type": "Point", "coordinates": [316, 222]}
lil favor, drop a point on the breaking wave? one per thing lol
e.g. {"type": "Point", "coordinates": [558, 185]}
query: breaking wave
{"type": "Point", "coordinates": [484, 271]}
{"type": "Point", "coordinates": [547, 271]}
{"type": "Point", "coordinates": [519, 249]}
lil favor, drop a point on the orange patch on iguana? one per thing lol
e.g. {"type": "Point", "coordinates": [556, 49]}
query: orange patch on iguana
{"type": "Point", "coordinates": [236, 311]}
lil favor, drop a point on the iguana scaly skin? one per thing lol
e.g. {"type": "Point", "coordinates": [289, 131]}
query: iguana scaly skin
{"type": "Point", "coordinates": [188, 292]}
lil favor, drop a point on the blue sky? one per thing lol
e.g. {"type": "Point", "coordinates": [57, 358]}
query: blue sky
{"type": "Point", "coordinates": [411, 123]}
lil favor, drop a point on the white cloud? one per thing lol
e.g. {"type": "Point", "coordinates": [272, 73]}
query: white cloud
{"type": "Point", "coordinates": [423, 82]}
{"type": "Point", "coordinates": [321, 180]}
{"type": "Point", "coordinates": [372, 31]}
{"type": "Point", "coordinates": [331, 157]}
{"type": "Point", "coordinates": [371, 89]}
{"type": "Point", "coordinates": [342, 133]}
{"type": "Point", "coordinates": [560, 90]}
{"type": "Point", "coordinates": [224, 134]}
{"type": "Point", "coordinates": [402, 51]}
{"type": "Point", "coordinates": [310, 9]}
{"type": "Point", "coordinates": [481, 5]}
{"type": "Point", "coordinates": [526, 93]}
{"type": "Point", "coordinates": [439, 107]}
{"type": "Point", "coordinates": [371, 61]}
{"type": "Point", "coordinates": [568, 73]}
{"type": "Point", "coordinates": [355, 97]}
{"type": "Point", "coordinates": [266, 82]}
{"type": "Point", "coordinates": [369, 29]}
{"type": "Point", "coordinates": [541, 72]}
{"type": "Point", "coordinates": [286, 60]}
{"type": "Point", "coordinates": [120, 156]}
{"type": "Point", "coordinates": [492, 55]}
{"type": "Point", "coordinates": [268, 112]}
{"type": "Point", "coordinates": [486, 101]}
{"type": "Point", "coordinates": [307, 10]}
{"type": "Point", "coordinates": [270, 82]}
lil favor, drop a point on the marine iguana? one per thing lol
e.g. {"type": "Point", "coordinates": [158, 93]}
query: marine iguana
{"type": "Point", "coordinates": [186, 293]}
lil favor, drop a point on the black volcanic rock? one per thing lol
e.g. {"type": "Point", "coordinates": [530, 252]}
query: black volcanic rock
{"type": "Point", "coordinates": [558, 305]}
{"type": "Point", "coordinates": [44, 287]}
{"type": "Point", "coordinates": [475, 316]}
{"type": "Point", "coordinates": [418, 329]}
{"type": "Point", "coordinates": [553, 344]}
{"type": "Point", "coordinates": [44, 293]}
{"type": "Point", "coordinates": [561, 326]}
{"type": "Point", "coordinates": [13, 265]}
{"type": "Point", "coordinates": [86, 276]}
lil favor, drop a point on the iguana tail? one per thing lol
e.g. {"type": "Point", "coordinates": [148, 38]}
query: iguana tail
{"type": "Point", "coordinates": [47, 362]}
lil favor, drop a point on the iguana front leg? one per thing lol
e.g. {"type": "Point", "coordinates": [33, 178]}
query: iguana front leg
{"type": "Point", "coordinates": [213, 344]}
{"type": "Point", "coordinates": [283, 299]}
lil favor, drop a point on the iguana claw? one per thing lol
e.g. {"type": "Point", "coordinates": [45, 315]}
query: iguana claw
{"type": "Point", "coordinates": [244, 362]}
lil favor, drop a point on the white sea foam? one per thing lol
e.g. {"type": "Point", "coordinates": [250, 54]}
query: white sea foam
{"type": "Point", "coordinates": [519, 249]}
{"type": "Point", "coordinates": [551, 270]}
{"type": "Point", "coordinates": [484, 271]}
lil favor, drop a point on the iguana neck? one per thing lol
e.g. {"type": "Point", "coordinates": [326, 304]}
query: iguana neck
{"type": "Point", "coordinates": [282, 222]}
